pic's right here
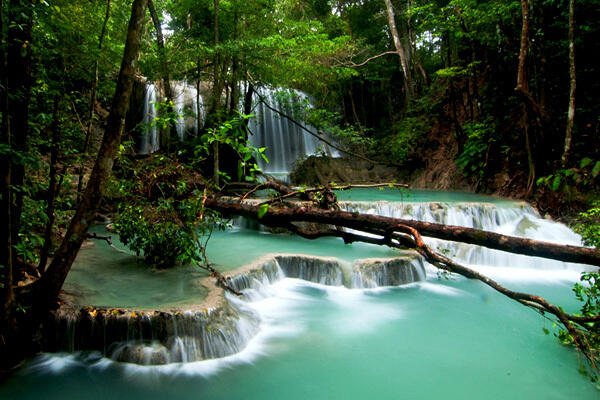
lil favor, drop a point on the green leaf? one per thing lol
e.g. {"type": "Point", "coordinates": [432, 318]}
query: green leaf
{"type": "Point", "coordinates": [596, 169]}
{"type": "Point", "coordinates": [556, 183]}
{"type": "Point", "coordinates": [262, 210]}
{"type": "Point", "coordinates": [585, 162]}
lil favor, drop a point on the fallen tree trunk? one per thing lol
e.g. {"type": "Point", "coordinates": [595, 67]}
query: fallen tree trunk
{"type": "Point", "coordinates": [378, 225]}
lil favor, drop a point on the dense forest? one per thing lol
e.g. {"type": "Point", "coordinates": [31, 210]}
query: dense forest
{"type": "Point", "coordinates": [494, 96]}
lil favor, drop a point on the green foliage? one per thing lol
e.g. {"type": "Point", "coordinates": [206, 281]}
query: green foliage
{"type": "Point", "coordinates": [163, 244]}
{"type": "Point", "coordinates": [172, 233]}
{"type": "Point", "coordinates": [162, 215]}
{"type": "Point", "coordinates": [406, 138]}
{"type": "Point", "coordinates": [589, 225]}
{"type": "Point", "coordinates": [263, 209]}
{"type": "Point", "coordinates": [472, 161]}
{"type": "Point", "coordinates": [233, 133]}
{"type": "Point", "coordinates": [566, 179]}
{"type": "Point", "coordinates": [589, 293]}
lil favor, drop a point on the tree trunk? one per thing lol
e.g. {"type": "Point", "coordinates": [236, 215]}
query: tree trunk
{"type": "Point", "coordinates": [198, 100]}
{"type": "Point", "coordinates": [523, 88]}
{"type": "Point", "coordinates": [379, 225]}
{"type": "Point", "coordinates": [572, 81]}
{"type": "Point", "coordinates": [18, 72]}
{"type": "Point", "coordinates": [402, 52]}
{"type": "Point", "coordinates": [248, 104]}
{"type": "Point", "coordinates": [216, 92]}
{"type": "Point", "coordinates": [54, 277]}
{"type": "Point", "coordinates": [51, 194]}
{"type": "Point", "coordinates": [93, 94]}
{"type": "Point", "coordinates": [164, 68]}
{"type": "Point", "coordinates": [6, 272]}
{"type": "Point", "coordinates": [521, 71]}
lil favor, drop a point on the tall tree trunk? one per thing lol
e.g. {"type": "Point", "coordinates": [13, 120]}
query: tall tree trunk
{"type": "Point", "coordinates": [15, 86]}
{"type": "Point", "coordinates": [164, 68]}
{"type": "Point", "coordinates": [18, 72]}
{"type": "Point", "coordinates": [572, 81]}
{"type": "Point", "coordinates": [523, 88]}
{"type": "Point", "coordinates": [198, 100]}
{"type": "Point", "coordinates": [402, 51]}
{"type": "Point", "coordinates": [234, 97]}
{"type": "Point", "coordinates": [54, 277]}
{"type": "Point", "coordinates": [522, 84]}
{"type": "Point", "coordinates": [93, 95]}
{"type": "Point", "coordinates": [6, 271]}
{"type": "Point", "coordinates": [216, 93]}
{"type": "Point", "coordinates": [248, 101]}
{"type": "Point", "coordinates": [51, 193]}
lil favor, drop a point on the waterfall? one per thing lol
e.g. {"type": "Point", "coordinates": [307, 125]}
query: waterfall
{"type": "Point", "coordinates": [285, 142]}
{"type": "Point", "coordinates": [150, 141]}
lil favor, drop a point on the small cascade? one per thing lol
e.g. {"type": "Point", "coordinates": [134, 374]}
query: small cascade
{"type": "Point", "coordinates": [255, 283]}
{"type": "Point", "coordinates": [313, 269]}
{"type": "Point", "coordinates": [155, 338]}
{"type": "Point", "coordinates": [150, 140]}
{"type": "Point", "coordinates": [484, 216]}
{"type": "Point", "coordinates": [365, 273]}
{"type": "Point", "coordinates": [286, 142]}
{"type": "Point", "coordinates": [389, 272]}
{"type": "Point", "coordinates": [518, 219]}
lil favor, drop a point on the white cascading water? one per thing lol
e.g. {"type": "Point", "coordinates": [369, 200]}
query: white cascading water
{"type": "Point", "coordinates": [515, 219]}
{"type": "Point", "coordinates": [150, 141]}
{"type": "Point", "coordinates": [286, 142]}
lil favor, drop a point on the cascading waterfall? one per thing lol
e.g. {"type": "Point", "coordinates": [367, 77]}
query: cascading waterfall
{"type": "Point", "coordinates": [516, 219]}
{"type": "Point", "coordinates": [393, 272]}
{"type": "Point", "coordinates": [286, 142]}
{"type": "Point", "coordinates": [150, 141]}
